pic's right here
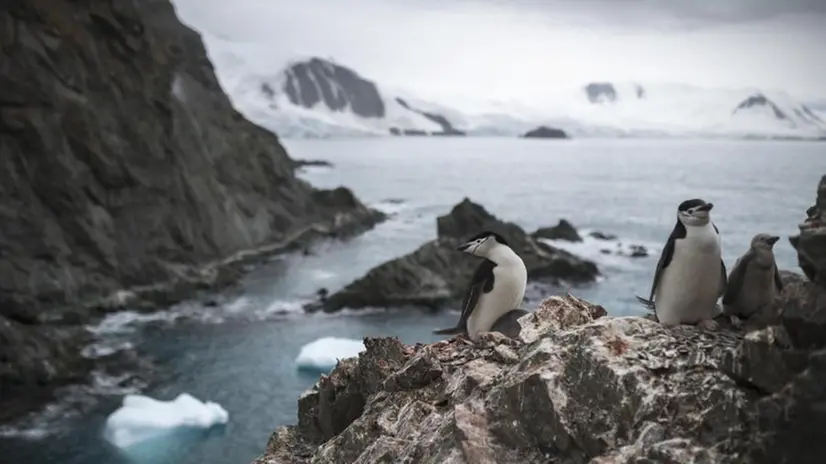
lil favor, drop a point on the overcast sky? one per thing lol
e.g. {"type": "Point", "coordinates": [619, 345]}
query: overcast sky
{"type": "Point", "coordinates": [503, 48]}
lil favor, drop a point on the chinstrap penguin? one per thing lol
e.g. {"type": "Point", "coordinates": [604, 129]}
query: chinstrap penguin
{"type": "Point", "coordinates": [496, 288]}
{"type": "Point", "coordinates": [754, 281]}
{"type": "Point", "coordinates": [690, 274]}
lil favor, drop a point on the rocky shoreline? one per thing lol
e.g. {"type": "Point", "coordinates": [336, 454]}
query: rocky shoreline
{"type": "Point", "coordinates": [578, 386]}
{"type": "Point", "coordinates": [129, 181]}
{"type": "Point", "coordinates": [436, 275]}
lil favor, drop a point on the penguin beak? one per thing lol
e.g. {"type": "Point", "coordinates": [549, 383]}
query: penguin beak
{"type": "Point", "coordinates": [705, 207]}
{"type": "Point", "coordinates": [464, 246]}
{"type": "Point", "coordinates": [772, 240]}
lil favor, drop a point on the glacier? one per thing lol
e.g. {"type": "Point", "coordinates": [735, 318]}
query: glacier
{"type": "Point", "coordinates": [311, 97]}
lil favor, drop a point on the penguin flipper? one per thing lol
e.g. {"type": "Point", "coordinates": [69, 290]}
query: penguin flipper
{"type": "Point", "coordinates": [450, 331]}
{"type": "Point", "coordinates": [645, 302]}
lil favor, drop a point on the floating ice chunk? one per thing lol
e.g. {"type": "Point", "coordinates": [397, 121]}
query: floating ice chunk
{"type": "Point", "coordinates": [321, 355]}
{"type": "Point", "coordinates": [141, 418]}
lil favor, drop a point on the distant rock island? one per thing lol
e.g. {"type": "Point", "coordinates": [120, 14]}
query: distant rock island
{"type": "Point", "coordinates": [545, 132]}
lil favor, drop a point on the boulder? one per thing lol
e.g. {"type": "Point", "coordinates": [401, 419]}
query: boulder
{"type": "Point", "coordinates": [545, 132]}
{"type": "Point", "coordinates": [436, 274]}
{"type": "Point", "coordinates": [562, 231]}
{"type": "Point", "coordinates": [576, 387]}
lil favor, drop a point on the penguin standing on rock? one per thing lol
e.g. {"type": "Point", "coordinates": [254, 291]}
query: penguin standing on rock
{"type": "Point", "coordinates": [496, 289]}
{"type": "Point", "coordinates": [754, 282]}
{"type": "Point", "coordinates": [690, 275]}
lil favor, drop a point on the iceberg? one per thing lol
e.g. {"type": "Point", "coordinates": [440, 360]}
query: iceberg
{"type": "Point", "coordinates": [141, 418]}
{"type": "Point", "coordinates": [322, 355]}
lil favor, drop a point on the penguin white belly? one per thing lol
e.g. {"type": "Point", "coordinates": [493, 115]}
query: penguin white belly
{"type": "Point", "coordinates": [507, 293]}
{"type": "Point", "coordinates": [690, 285]}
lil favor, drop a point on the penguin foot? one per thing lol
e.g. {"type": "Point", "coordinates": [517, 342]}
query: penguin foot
{"type": "Point", "coordinates": [708, 324]}
{"type": "Point", "coordinates": [736, 322]}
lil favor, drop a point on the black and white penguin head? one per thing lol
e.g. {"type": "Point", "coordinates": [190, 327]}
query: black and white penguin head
{"type": "Point", "coordinates": [764, 241]}
{"type": "Point", "coordinates": [483, 244]}
{"type": "Point", "coordinates": [694, 212]}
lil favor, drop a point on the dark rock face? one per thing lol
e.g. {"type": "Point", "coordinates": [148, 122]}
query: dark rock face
{"type": "Point", "coordinates": [811, 242]}
{"type": "Point", "coordinates": [447, 127]}
{"type": "Point", "coordinates": [545, 132]}
{"type": "Point", "coordinates": [758, 100]}
{"type": "Point", "coordinates": [436, 274]}
{"type": "Point", "coordinates": [337, 87]}
{"type": "Point", "coordinates": [562, 231]}
{"type": "Point", "coordinates": [124, 165]}
{"type": "Point", "coordinates": [601, 92]}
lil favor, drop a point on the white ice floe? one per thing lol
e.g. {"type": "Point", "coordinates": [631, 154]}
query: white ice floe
{"type": "Point", "coordinates": [323, 354]}
{"type": "Point", "coordinates": [141, 418]}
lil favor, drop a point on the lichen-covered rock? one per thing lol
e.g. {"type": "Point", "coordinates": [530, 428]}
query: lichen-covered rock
{"type": "Point", "coordinates": [577, 386]}
{"type": "Point", "coordinates": [437, 274]}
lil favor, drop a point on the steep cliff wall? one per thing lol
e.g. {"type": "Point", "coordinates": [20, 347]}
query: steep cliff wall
{"type": "Point", "coordinates": [123, 163]}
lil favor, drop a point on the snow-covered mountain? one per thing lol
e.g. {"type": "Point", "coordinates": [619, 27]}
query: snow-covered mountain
{"type": "Point", "coordinates": [319, 98]}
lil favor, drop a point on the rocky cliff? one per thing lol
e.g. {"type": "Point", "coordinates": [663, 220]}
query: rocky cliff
{"type": "Point", "coordinates": [578, 386]}
{"type": "Point", "coordinates": [125, 165]}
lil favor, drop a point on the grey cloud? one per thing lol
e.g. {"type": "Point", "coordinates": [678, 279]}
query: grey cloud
{"type": "Point", "coordinates": [685, 10]}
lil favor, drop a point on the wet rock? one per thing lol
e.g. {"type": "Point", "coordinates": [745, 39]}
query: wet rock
{"type": "Point", "coordinates": [638, 251]}
{"type": "Point", "coordinates": [564, 230]}
{"type": "Point", "coordinates": [123, 165]}
{"type": "Point", "coordinates": [436, 274]}
{"type": "Point", "coordinates": [602, 235]}
{"type": "Point", "coordinates": [545, 132]}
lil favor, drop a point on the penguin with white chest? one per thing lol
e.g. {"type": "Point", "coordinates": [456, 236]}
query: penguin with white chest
{"type": "Point", "coordinates": [690, 274]}
{"type": "Point", "coordinates": [496, 288]}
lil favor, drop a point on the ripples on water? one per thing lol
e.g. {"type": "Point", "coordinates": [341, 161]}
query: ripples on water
{"type": "Point", "coordinates": [240, 353]}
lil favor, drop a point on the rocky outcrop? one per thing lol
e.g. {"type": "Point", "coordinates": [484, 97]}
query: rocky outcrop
{"type": "Point", "coordinates": [811, 242]}
{"type": "Point", "coordinates": [564, 230]}
{"type": "Point", "coordinates": [436, 274]}
{"type": "Point", "coordinates": [760, 100]}
{"type": "Point", "coordinates": [545, 132]}
{"type": "Point", "coordinates": [578, 386]}
{"type": "Point", "coordinates": [338, 88]}
{"type": "Point", "coordinates": [447, 127]}
{"type": "Point", "coordinates": [124, 165]}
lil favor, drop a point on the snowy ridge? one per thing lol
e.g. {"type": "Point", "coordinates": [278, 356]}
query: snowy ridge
{"type": "Point", "coordinates": [314, 97]}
